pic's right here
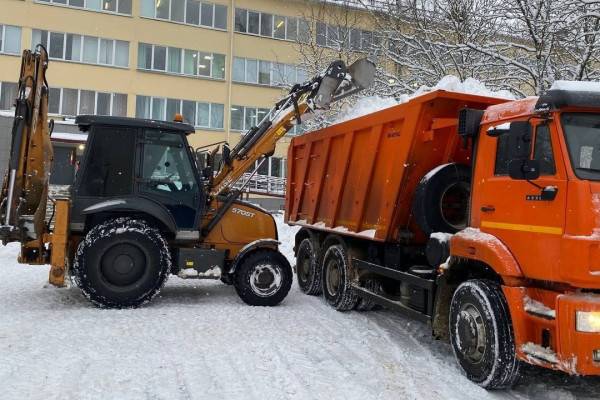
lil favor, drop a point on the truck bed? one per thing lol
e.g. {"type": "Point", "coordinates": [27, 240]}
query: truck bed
{"type": "Point", "coordinates": [358, 177]}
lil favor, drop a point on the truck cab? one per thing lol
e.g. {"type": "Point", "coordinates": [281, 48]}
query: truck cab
{"type": "Point", "coordinates": [535, 218]}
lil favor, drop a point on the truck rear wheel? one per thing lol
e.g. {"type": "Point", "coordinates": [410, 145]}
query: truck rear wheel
{"type": "Point", "coordinates": [337, 277]}
{"type": "Point", "coordinates": [481, 334]}
{"type": "Point", "coordinates": [308, 270]}
{"type": "Point", "coordinates": [441, 201]}
{"type": "Point", "coordinates": [263, 278]}
{"type": "Point", "coordinates": [122, 263]}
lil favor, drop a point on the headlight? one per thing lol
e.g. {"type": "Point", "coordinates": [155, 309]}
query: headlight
{"type": "Point", "coordinates": [588, 321]}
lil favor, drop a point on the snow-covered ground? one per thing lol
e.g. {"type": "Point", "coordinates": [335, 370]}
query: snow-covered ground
{"type": "Point", "coordinates": [199, 341]}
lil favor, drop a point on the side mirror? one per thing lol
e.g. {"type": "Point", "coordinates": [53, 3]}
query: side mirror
{"type": "Point", "coordinates": [523, 169]}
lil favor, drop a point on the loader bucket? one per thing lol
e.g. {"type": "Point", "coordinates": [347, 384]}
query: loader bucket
{"type": "Point", "coordinates": [362, 72]}
{"type": "Point", "coordinates": [340, 81]}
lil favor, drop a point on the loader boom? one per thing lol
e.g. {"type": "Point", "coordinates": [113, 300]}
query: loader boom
{"type": "Point", "coordinates": [335, 83]}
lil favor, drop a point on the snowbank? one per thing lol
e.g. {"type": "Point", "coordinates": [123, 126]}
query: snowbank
{"type": "Point", "coordinates": [451, 83]}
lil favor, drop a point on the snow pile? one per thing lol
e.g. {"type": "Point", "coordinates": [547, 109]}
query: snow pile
{"type": "Point", "coordinates": [364, 106]}
{"type": "Point", "coordinates": [453, 83]}
{"type": "Point", "coordinates": [578, 86]}
{"type": "Point", "coordinates": [450, 83]}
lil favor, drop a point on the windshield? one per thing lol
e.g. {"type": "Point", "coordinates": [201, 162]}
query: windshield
{"type": "Point", "coordinates": [582, 132]}
{"type": "Point", "coordinates": [167, 167]}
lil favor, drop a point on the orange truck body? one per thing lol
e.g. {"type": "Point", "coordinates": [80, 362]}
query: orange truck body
{"type": "Point", "coordinates": [357, 180]}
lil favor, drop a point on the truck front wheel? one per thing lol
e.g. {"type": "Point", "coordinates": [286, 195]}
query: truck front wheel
{"type": "Point", "coordinates": [337, 277]}
{"type": "Point", "coordinates": [307, 267]}
{"type": "Point", "coordinates": [263, 278]}
{"type": "Point", "coordinates": [121, 263]}
{"type": "Point", "coordinates": [481, 334]}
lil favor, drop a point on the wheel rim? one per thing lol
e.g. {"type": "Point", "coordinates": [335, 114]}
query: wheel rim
{"type": "Point", "coordinates": [471, 333]}
{"type": "Point", "coordinates": [454, 204]}
{"type": "Point", "coordinates": [334, 277]}
{"type": "Point", "coordinates": [304, 269]}
{"type": "Point", "coordinates": [266, 280]}
{"type": "Point", "coordinates": [123, 264]}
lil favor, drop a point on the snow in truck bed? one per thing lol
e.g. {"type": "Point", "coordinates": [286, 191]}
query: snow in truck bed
{"type": "Point", "coordinates": [197, 340]}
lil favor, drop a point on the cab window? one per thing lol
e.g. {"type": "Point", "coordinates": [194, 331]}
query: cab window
{"type": "Point", "coordinates": [166, 165]}
{"type": "Point", "coordinates": [543, 150]}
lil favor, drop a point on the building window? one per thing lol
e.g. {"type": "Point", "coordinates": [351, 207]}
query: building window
{"type": "Point", "coordinates": [108, 6]}
{"type": "Point", "coordinates": [273, 26]}
{"type": "Point", "coordinates": [85, 49]}
{"type": "Point", "coordinates": [192, 12]}
{"type": "Point", "coordinates": [10, 39]}
{"type": "Point", "coordinates": [344, 38]}
{"type": "Point", "coordinates": [199, 114]}
{"type": "Point", "coordinates": [71, 102]}
{"type": "Point", "coordinates": [268, 73]}
{"type": "Point", "coordinates": [181, 61]}
{"type": "Point", "coordinates": [8, 95]}
{"type": "Point", "coordinates": [244, 118]}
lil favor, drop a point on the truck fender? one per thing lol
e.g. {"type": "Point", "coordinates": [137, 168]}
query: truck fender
{"type": "Point", "coordinates": [250, 247]}
{"type": "Point", "coordinates": [471, 243]}
{"type": "Point", "coordinates": [138, 204]}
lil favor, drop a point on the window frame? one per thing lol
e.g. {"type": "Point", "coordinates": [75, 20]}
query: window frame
{"type": "Point", "coordinates": [82, 46]}
{"type": "Point", "coordinates": [86, 7]}
{"type": "Point", "coordinates": [186, 9]}
{"type": "Point", "coordinates": [182, 61]}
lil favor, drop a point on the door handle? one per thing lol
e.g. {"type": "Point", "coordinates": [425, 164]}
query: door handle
{"type": "Point", "coordinates": [488, 208]}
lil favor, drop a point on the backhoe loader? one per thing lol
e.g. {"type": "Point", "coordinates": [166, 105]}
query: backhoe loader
{"type": "Point", "coordinates": [141, 207]}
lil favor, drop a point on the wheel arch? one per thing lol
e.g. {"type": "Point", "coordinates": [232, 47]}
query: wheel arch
{"type": "Point", "coordinates": [456, 271]}
{"type": "Point", "coordinates": [140, 207]}
{"type": "Point", "coordinates": [250, 248]}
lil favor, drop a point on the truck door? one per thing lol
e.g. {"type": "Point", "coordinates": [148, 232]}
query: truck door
{"type": "Point", "coordinates": [531, 225]}
{"type": "Point", "coordinates": [168, 176]}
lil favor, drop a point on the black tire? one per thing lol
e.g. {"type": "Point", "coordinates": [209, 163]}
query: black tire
{"type": "Point", "coordinates": [308, 270]}
{"type": "Point", "coordinates": [122, 263]}
{"type": "Point", "coordinates": [441, 201]}
{"type": "Point", "coordinates": [263, 278]}
{"type": "Point", "coordinates": [337, 278]}
{"type": "Point", "coordinates": [481, 335]}
{"type": "Point", "coordinates": [373, 285]}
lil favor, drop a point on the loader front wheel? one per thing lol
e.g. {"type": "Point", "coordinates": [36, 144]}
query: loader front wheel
{"type": "Point", "coordinates": [122, 263]}
{"type": "Point", "coordinates": [263, 278]}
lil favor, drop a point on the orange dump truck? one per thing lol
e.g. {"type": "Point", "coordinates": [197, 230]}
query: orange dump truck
{"type": "Point", "coordinates": [478, 215]}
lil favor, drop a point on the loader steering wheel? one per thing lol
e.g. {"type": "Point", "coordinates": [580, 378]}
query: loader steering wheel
{"type": "Point", "coordinates": [155, 183]}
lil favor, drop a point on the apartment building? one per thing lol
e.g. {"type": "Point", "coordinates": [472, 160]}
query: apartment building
{"type": "Point", "coordinates": [220, 63]}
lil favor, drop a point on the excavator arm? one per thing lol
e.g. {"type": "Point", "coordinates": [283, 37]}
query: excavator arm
{"type": "Point", "coordinates": [25, 190]}
{"type": "Point", "coordinates": [335, 83]}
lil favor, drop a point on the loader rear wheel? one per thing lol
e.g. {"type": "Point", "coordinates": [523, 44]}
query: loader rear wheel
{"type": "Point", "coordinates": [307, 267]}
{"type": "Point", "coordinates": [441, 200]}
{"type": "Point", "coordinates": [337, 276]}
{"type": "Point", "coordinates": [263, 278]}
{"type": "Point", "coordinates": [122, 263]}
{"type": "Point", "coordinates": [481, 334]}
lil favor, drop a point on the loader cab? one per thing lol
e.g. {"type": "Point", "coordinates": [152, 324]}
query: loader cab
{"type": "Point", "coordinates": [137, 166]}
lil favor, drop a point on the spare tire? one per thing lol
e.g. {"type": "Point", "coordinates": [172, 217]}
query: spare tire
{"type": "Point", "coordinates": [441, 201]}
